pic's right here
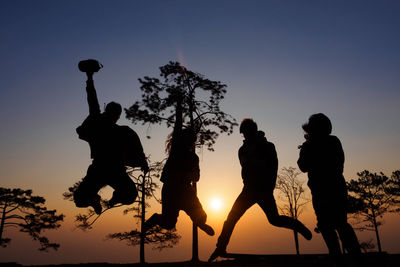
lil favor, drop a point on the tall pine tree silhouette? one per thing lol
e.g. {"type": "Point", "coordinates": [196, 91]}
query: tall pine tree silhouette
{"type": "Point", "coordinates": [201, 107]}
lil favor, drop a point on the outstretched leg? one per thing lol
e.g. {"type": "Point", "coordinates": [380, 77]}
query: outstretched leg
{"type": "Point", "coordinates": [170, 210]}
{"type": "Point", "coordinates": [268, 205]}
{"type": "Point", "coordinates": [154, 220]}
{"type": "Point", "coordinates": [192, 206]}
{"type": "Point", "coordinates": [242, 203]}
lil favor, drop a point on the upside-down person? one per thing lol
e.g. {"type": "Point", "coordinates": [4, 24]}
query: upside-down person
{"type": "Point", "coordinates": [179, 174]}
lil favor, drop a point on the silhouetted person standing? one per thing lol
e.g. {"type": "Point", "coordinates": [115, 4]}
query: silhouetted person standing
{"type": "Point", "coordinates": [322, 157]}
{"type": "Point", "coordinates": [112, 148]}
{"type": "Point", "coordinates": [259, 163]}
{"type": "Point", "coordinates": [179, 173]}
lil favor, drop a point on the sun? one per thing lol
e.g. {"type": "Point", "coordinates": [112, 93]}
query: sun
{"type": "Point", "coordinates": [216, 203]}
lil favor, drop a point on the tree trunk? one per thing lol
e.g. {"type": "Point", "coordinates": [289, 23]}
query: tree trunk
{"type": "Point", "coordinates": [195, 243]}
{"type": "Point", "coordinates": [378, 240]}
{"type": "Point", "coordinates": [143, 217]}
{"type": "Point", "coordinates": [195, 239]}
{"type": "Point", "coordinates": [3, 219]}
{"type": "Point", "coordinates": [296, 242]}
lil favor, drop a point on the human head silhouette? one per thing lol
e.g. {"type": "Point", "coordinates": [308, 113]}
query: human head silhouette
{"type": "Point", "coordinates": [186, 141]}
{"type": "Point", "coordinates": [113, 111]}
{"type": "Point", "coordinates": [248, 128]}
{"type": "Point", "coordinates": [188, 138]}
{"type": "Point", "coordinates": [318, 125]}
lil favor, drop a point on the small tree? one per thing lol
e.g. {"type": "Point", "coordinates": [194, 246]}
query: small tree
{"type": "Point", "coordinates": [372, 192]}
{"type": "Point", "coordinates": [395, 188]}
{"type": "Point", "coordinates": [21, 210]}
{"type": "Point", "coordinates": [293, 193]}
{"type": "Point", "coordinates": [159, 237]}
{"type": "Point", "coordinates": [367, 245]}
{"type": "Point", "coordinates": [201, 108]}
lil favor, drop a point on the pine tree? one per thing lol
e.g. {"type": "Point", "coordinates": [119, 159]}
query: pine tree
{"type": "Point", "coordinates": [21, 210]}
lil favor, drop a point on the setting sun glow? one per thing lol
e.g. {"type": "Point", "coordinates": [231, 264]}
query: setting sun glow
{"type": "Point", "coordinates": [216, 203]}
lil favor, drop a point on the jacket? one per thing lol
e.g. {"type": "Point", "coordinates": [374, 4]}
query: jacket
{"type": "Point", "coordinates": [259, 162]}
{"type": "Point", "coordinates": [323, 159]}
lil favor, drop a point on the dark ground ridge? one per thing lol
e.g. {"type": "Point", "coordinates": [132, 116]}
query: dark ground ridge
{"type": "Point", "coordinates": [253, 260]}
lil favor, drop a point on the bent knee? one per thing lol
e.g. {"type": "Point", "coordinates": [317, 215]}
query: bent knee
{"type": "Point", "coordinates": [278, 220]}
{"type": "Point", "coordinates": [274, 222]}
{"type": "Point", "coordinates": [81, 204]}
{"type": "Point", "coordinates": [80, 200]}
{"type": "Point", "coordinates": [125, 197]}
{"type": "Point", "coordinates": [169, 224]}
{"type": "Point", "coordinates": [199, 217]}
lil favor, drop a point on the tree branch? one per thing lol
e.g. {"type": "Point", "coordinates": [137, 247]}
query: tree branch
{"type": "Point", "coordinates": [12, 209]}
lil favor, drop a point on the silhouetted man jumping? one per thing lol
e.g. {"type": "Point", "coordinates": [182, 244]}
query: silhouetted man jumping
{"type": "Point", "coordinates": [112, 148]}
{"type": "Point", "coordinates": [259, 164]}
{"type": "Point", "coordinates": [322, 157]}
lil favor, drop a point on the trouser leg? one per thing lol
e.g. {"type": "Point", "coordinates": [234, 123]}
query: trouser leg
{"type": "Point", "coordinates": [349, 238]}
{"type": "Point", "coordinates": [326, 218]}
{"type": "Point", "coordinates": [242, 203]}
{"type": "Point", "coordinates": [86, 192]}
{"type": "Point", "coordinates": [154, 220]}
{"type": "Point", "coordinates": [192, 206]}
{"type": "Point", "coordinates": [165, 221]}
{"type": "Point", "coordinates": [124, 188]}
{"type": "Point", "coordinates": [331, 240]}
{"type": "Point", "coordinates": [268, 205]}
{"type": "Point", "coordinates": [170, 207]}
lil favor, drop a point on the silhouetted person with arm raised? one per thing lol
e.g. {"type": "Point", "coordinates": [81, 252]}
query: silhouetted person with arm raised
{"type": "Point", "coordinates": [259, 163]}
{"type": "Point", "coordinates": [322, 157]}
{"type": "Point", "coordinates": [179, 173]}
{"type": "Point", "coordinates": [112, 148]}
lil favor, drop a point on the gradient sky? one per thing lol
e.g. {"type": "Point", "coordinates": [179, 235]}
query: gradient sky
{"type": "Point", "coordinates": [281, 60]}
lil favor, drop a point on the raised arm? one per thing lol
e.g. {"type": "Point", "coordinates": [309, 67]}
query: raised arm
{"type": "Point", "coordinates": [178, 123]}
{"type": "Point", "coordinates": [93, 102]}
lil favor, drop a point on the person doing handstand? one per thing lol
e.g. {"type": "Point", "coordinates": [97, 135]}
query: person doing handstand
{"type": "Point", "coordinates": [180, 171]}
{"type": "Point", "coordinates": [259, 164]}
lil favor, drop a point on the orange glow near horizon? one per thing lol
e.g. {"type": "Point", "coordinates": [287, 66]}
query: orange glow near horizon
{"type": "Point", "coordinates": [216, 204]}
